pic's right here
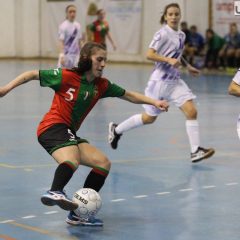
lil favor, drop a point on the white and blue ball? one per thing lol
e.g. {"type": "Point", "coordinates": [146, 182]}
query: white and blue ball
{"type": "Point", "coordinates": [89, 203]}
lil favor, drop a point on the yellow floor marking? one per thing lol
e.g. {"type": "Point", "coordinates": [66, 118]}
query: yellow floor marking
{"type": "Point", "coordinates": [42, 231]}
{"type": "Point", "coordinates": [4, 165]}
{"type": "Point", "coordinates": [5, 237]}
{"type": "Point", "coordinates": [7, 165]}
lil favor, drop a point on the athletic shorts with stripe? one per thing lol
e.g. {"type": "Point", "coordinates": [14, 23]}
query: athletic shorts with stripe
{"type": "Point", "coordinates": [57, 136]}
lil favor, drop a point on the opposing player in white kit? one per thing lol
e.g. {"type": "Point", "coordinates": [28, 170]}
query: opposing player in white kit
{"type": "Point", "coordinates": [70, 39]}
{"type": "Point", "coordinates": [234, 89]}
{"type": "Point", "coordinates": [165, 83]}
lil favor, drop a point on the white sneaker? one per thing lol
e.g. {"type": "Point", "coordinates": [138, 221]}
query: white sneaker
{"type": "Point", "coordinates": [202, 153]}
{"type": "Point", "coordinates": [51, 198]}
{"type": "Point", "coordinates": [113, 137]}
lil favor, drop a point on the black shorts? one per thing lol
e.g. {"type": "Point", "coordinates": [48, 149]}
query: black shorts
{"type": "Point", "coordinates": [58, 136]}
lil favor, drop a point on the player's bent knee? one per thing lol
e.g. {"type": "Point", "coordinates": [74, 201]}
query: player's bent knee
{"type": "Point", "coordinates": [103, 162]}
{"type": "Point", "coordinates": [192, 114]}
{"type": "Point", "coordinates": [107, 163]}
{"type": "Point", "coordinates": [148, 119]}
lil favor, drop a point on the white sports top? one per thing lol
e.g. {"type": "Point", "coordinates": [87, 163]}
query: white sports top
{"type": "Point", "coordinates": [70, 33]}
{"type": "Point", "coordinates": [168, 43]}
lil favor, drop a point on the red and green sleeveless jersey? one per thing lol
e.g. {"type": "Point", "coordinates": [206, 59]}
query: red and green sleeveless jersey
{"type": "Point", "coordinates": [100, 30]}
{"type": "Point", "coordinates": [74, 97]}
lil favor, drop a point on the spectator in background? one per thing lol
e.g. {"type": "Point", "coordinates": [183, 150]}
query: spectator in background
{"type": "Point", "coordinates": [229, 51]}
{"type": "Point", "coordinates": [184, 28]}
{"type": "Point", "coordinates": [195, 45]}
{"type": "Point", "coordinates": [70, 39]}
{"type": "Point", "coordinates": [213, 45]}
{"type": "Point", "coordinates": [237, 56]}
{"type": "Point", "coordinates": [100, 29]}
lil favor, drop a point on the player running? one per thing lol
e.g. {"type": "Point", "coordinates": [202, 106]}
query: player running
{"type": "Point", "coordinates": [76, 92]}
{"type": "Point", "coordinates": [165, 83]}
{"type": "Point", "coordinates": [70, 39]}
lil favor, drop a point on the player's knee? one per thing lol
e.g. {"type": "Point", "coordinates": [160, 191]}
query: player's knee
{"type": "Point", "coordinates": [107, 163]}
{"type": "Point", "coordinates": [192, 114]}
{"type": "Point", "coordinates": [103, 162]}
{"type": "Point", "coordinates": [148, 119]}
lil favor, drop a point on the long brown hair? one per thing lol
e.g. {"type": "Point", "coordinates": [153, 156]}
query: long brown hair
{"type": "Point", "coordinates": [85, 61]}
{"type": "Point", "coordinates": [176, 5]}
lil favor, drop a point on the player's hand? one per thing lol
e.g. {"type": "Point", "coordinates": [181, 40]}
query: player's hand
{"type": "Point", "coordinates": [193, 71]}
{"type": "Point", "coordinates": [3, 91]}
{"type": "Point", "coordinates": [174, 62]}
{"type": "Point", "coordinates": [162, 105]}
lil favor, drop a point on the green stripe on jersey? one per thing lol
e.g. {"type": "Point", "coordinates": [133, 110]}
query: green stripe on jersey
{"type": "Point", "coordinates": [51, 78]}
{"type": "Point", "coordinates": [85, 97]}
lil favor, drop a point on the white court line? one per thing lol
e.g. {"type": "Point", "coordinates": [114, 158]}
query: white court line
{"type": "Point", "coordinates": [140, 196]}
{"type": "Point", "coordinates": [8, 221]}
{"type": "Point", "coordinates": [185, 190]}
{"type": "Point", "coordinates": [51, 212]}
{"type": "Point", "coordinates": [231, 184]}
{"type": "Point", "coordinates": [30, 216]}
{"type": "Point", "coordinates": [163, 193]}
{"type": "Point", "coordinates": [118, 200]}
{"type": "Point", "coordinates": [208, 187]}
{"type": "Point", "coordinates": [123, 199]}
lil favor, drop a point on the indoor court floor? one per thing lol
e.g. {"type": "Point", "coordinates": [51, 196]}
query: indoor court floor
{"type": "Point", "coordinates": [153, 192]}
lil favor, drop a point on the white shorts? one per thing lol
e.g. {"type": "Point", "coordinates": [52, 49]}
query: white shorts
{"type": "Point", "coordinates": [177, 92]}
{"type": "Point", "coordinates": [70, 61]}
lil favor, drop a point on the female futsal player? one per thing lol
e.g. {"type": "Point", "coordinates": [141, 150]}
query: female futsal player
{"type": "Point", "coordinates": [76, 92]}
{"type": "Point", "coordinates": [100, 29]}
{"type": "Point", "coordinates": [70, 39]}
{"type": "Point", "coordinates": [165, 83]}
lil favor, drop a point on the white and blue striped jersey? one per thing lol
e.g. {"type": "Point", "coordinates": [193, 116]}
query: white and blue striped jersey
{"type": "Point", "coordinates": [70, 33]}
{"type": "Point", "coordinates": [168, 43]}
{"type": "Point", "coordinates": [236, 78]}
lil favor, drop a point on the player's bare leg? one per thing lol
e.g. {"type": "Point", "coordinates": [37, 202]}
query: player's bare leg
{"type": "Point", "coordinates": [198, 153]}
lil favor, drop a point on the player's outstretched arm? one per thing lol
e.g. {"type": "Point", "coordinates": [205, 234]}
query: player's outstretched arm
{"type": "Point", "coordinates": [154, 56]}
{"type": "Point", "coordinates": [139, 98]}
{"type": "Point", "coordinates": [234, 89]}
{"type": "Point", "coordinates": [20, 79]}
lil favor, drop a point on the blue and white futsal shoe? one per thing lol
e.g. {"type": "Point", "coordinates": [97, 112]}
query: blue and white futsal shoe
{"type": "Point", "coordinates": [51, 198]}
{"type": "Point", "coordinates": [74, 220]}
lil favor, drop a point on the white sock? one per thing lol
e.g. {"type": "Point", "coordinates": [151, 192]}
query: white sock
{"type": "Point", "coordinates": [192, 128]}
{"type": "Point", "coordinates": [130, 123]}
{"type": "Point", "coordinates": [238, 126]}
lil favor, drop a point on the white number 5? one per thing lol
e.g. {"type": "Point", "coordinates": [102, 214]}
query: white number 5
{"type": "Point", "coordinates": [70, 92]}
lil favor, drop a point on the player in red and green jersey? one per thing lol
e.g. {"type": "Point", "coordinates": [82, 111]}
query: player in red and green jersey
{"type": "Point", "coordinates": [100, 29]}
{"type": "Point", "coordinates": [76, 92]}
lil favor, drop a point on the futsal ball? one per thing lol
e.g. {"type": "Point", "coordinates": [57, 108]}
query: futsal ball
{"type": "Point", "coordinates": [89, 202]}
